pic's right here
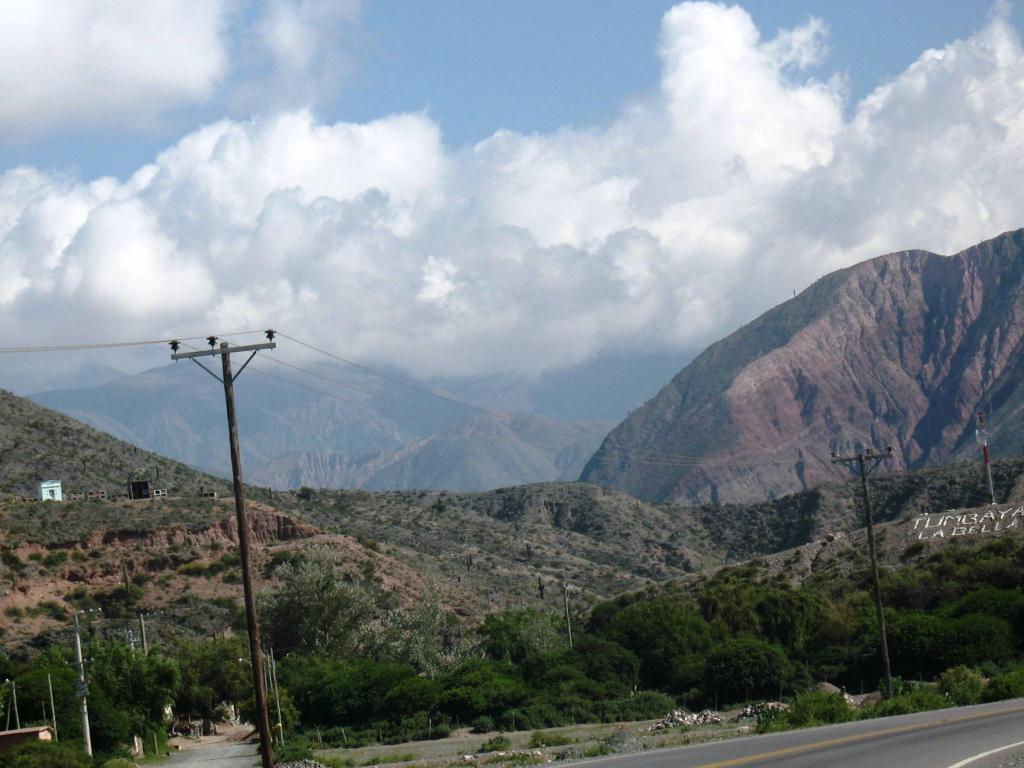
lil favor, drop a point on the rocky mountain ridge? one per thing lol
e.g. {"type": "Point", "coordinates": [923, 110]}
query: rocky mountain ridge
{"type": "Point", "coordinates": [900, 350]}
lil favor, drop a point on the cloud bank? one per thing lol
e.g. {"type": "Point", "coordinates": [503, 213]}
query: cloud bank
{"type": "Point", "coordinates": [93, 62]}
{"type": "Point", "coordinates": [738, 180]}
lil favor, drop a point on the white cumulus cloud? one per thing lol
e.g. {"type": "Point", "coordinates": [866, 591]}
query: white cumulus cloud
{"type": "Point", "coordinates": [92, 61]}
{"type": "Point", "coordinates": [701, 204]}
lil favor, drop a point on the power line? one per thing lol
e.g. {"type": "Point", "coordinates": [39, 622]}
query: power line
{"type": "Point", "coordinates": [333, 396]}
{"type": "Point", "coordinates": [109, 344]}
{"type": "Point", "coordinates": [394, 379]}
{"type": "Point", "coordinates": [643, 455]}
{"type": "Point", "coordinates": [369, 392]}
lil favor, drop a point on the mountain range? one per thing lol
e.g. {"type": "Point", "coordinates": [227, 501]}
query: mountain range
{"type": "Point", "coordinates": [332, 426]}
{"type": "Point", "coordinates": [902, 350]}
{"type": "Point", "coordinates": [513, 546]}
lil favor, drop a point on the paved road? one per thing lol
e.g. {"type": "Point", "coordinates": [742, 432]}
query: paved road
{"type": "Point", "coordinates": [925, 740]}
{"type": "Point", "coordinates": [216, 756]}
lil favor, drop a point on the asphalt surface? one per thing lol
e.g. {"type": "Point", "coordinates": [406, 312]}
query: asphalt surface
{"type": "Point", "coordinates": [216, 756]}
{"type": "Point", "coordinates": [948, 738]}
{"type": "Point", "coordinates": [939, 739]}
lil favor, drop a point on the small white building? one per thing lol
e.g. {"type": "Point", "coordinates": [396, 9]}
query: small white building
{"type": "Point", "coordinates": [50, 490]}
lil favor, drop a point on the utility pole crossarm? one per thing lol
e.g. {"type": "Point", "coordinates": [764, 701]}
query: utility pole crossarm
{"type": "Point", "coordinates": [221, 351]}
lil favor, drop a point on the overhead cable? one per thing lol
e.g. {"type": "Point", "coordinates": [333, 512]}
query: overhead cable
{"type": "Point", "coordinates": [110, 344]}
{"type": "Point", "coordinates": [394, 379]}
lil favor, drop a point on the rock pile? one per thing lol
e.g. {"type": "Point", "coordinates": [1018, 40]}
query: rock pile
{"type": "Point", "coordinates": [302, 764]}
{"type": "Point", "coordinates": [761, 708]}
{"type": "Point", "coordinates": [682, 717]}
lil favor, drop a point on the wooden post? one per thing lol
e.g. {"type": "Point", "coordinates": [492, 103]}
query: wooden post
{"type": "Point", "coordinates": [883, 642]}
{"type": "Point", "coordinates": [82, 689]}
{"type": "Point", "coordinates": [861, 459]}
{"type": "Point", "coordinates": [252, 620]}
{"type": "Point", "coordinates": [53, 712]}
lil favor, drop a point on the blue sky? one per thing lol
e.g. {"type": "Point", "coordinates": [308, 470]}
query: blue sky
{"type": "Point", "coordinates": [474, 188]}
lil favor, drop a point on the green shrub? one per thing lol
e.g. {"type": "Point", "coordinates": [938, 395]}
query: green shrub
{"type": "Point", "coordinates": [54, 559]}
{"type": "Point", "coordinates": [12, 561]}
{"type": "Point", "coordinates": [294, 749]}
{"type": "Point", "coordinates": [548, 739]}
{"type": "Point", "coordinates": [119, 762]}
{"type": "Point", "coordinates": [818, 708]}
{"type": "Point", "coordinates": [1009, 685]}
{"type": "Point", "coordinates": [496, 744]}
{"type": "Point", "coordinates": [962, 685]}
{"type": "Point", "coordinates": [772, 720]}
{"type": "Point", "coordinates": [45, 754]}
{"type": "Point", "coordinates": [915, 698]}
{"type": "Point", "coordinates": [643, 706]}
{"type": "Point", "coordinates": [482, 724]}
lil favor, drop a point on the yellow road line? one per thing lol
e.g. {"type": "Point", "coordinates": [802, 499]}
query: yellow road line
{"type": "Point", "coordinates": [854, 738]}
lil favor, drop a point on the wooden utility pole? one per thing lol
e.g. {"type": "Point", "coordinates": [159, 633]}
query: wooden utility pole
{"type": "Point", "coordinates": [256, 654]}
{"type": "Point", "coordinates": [982, 437]}
{"type": "Point", "coordinates": [142, 630]}
{"type": "Point", "coordinates": [53, 712]}
{"type": "Point", "coordinates": [862, 459]}
{"type": "Point", "coordinates": [566, 588]}
{"type": "Point", "coordinates": [82, 688]}
{"type": "Point", "coordinates": [277, 696]}
{"type": "Point", "coordinates": [14, 702]}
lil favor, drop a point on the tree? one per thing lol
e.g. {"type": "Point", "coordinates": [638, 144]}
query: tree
{"type": "Point", "coordinates": [483, 687]}
{"type": "Point", "coordinates": [746, 667]}
{"type": "Point", "coordinates": [669, 638]}
{"type": "Point", "coordinates": [412, 637]}
{"type": "Point", "coordinates": [143, 686]}
{"type": "Point", "coordinates": [522, 636]}
{"type": "Point", "coordinates": [212, 671]}
{"type": "Point", "coordinates": [314, 612]}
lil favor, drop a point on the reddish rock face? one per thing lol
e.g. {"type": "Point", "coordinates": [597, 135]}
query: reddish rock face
{"type": "Point", "coordinates": [901, 350]}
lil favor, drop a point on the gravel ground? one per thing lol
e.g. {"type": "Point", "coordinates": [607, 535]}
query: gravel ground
{"type": "Point", "coordinates": [1014, 761]}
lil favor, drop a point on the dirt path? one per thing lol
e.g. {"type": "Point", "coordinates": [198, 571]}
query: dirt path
{"type": "Point", "coordinates": [217, 755]}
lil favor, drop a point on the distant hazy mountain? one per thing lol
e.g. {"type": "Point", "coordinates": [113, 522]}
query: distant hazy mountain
{"type": "Point", "coordinates": [490, 452]}
{"type": "Point", "coordinates": [38, 444]}
{"type": "Point", "coordinates": [901, 350]}
{"type": "Point", "coordinates": [605, 388]}
{"type": "Point", "coordinates": [27, 373]}
{"type": "Point", "coordinates": [370, 433]}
